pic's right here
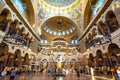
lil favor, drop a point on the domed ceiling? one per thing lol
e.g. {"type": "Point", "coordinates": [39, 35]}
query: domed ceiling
{"type": "Point", "coordinates": [60, 3]}
{"type": "Point", "coordinates": [59, 27]}
{"type": "Point", "coordinates": [50, 8]}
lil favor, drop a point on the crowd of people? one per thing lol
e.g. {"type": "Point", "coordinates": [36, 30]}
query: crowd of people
{"type": "Point", "coordinates": [13, 73]}
{"type": "Point", "coordinates": [57, 72]}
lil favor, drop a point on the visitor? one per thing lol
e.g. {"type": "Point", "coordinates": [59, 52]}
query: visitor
{"type": "Point", "coordinates": [78, 72]}
{"type": "Point", "coordinates": [3, 74]}
{"type": "Point", "coordinates": [48, 72]}
{"type": "Point", "coordinates": [12, 74]}
{"type": "Point", "coordinates": [17, 72]}
{"type": "Point", "coordinates": [54, 73]}
{"type": "Point", "coordinates": [114, 60]}
{"type": "Point", "coordinates": [115, 74]}
{"type": "Point", "coordinates": [81, 69]}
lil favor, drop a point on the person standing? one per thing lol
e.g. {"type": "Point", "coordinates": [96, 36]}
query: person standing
{"type": "Point", "coordinates": [115, 74]}
{"type": "Point", "coordinates": [3, 74]}
{"type": "Point", "coordinates": [78, 72]}
{"type": "Point", "coordinates": [48, 72]}
{"type": "Point", "coordinates": [12, 74]}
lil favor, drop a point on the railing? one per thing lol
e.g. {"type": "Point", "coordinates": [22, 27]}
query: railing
{"type": "Point", "coordinates": [22, 18]}
{"type": "Point", "coordinates": [16, 39]}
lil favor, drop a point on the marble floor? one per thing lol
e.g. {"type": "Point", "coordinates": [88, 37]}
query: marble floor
{"type": "Point", "coordinates": [38, 76]}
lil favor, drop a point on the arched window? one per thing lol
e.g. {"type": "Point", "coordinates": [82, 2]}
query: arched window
{"type": "Point", "coordinates": [111, 21]}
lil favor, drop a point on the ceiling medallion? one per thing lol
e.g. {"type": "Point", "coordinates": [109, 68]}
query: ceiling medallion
{"type": "Point", "coordinates": [59, 22]}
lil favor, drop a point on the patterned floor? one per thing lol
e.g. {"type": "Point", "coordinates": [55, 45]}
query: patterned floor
{"type": "Point", "coordinates": [38, 76]}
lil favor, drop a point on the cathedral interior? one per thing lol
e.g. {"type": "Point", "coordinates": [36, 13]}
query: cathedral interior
{"type": "Point", "coordinates": [62, 39]}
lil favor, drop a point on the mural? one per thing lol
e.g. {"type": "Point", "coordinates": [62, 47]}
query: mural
{"type": "Point", "coordinates": [21, 6]}
{"type": "Point", "coordinates": [75, 14]}
{"type": "Point", "coordinates": [45, 13]}
{"type": "Point", "coordinates": [41, 14]}
{"type": "Point", "coordinates": [2, 2]}
{"type": "Point", "coordinates": [97, 6]}
{"type": "Point", "coordinates": [60, 3]}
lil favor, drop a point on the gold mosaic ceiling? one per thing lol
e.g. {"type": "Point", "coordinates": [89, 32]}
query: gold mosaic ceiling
{"type": "Point", "coordinates": [60, 4]}
{"type": "Point", "coordinates": [59, 27]}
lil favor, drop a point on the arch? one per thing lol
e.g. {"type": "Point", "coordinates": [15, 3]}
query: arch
{"type": "Point", "coordinates": [99, 54]}
{"type": "Point", "coordinates": [17, 54]}
{"type": "Point", "coordinates": [109, 15]}
{"type": "Point", "coordinates": [26, 55]}
{"type": "Point", "coordinates": [73, 61]}
{"type": "Point", "coordinates": [87, 14]}
{"type": "Point", "coordinates": [30, 13]}
{"type": "Point", "coordinates": [75, 37]}
{"type": "Point", "coordinates": [56, 39]}
{"type": "Point", "coordinates": [89, 36]}
{"type": "Point", "coordinates": [45, 62]}
{"type": "Point", "coordinates": [4, 19]}
{"type": "Point", "coordinates": [113, 48]}
{"type": "Point", "coordinates": [13, 27]}
{"type": "Point", "coordinates": [5, 14]}
{"type": "Point", "coordinates": [91, 57]}
{"type": "Point", "coordinates": [16, 21]}
{"type": "Point", "coordinates": [42, 36]}
{"type": "Point", "coordinates": [91, 60]}
{"type": "Point", "coordinates": [16, 58]}
{"type": "Point", "coordinates": [67, 28]}
{"type": "Point", "coordinates": [111, 21]}
{"type": "Point", "coordinates": [22, 31]}
{"type": "Point", "coordinates": [31, 39]}
{"type": "Point", "coordinates": [94, 33]}
{"type": "Point", "coordinates": [33, 57]}
{"type": "Point", "coordinates": [14, 24]}
{"type": "Point", "coordinates": [28, 35]}
{"type": "Point", "coordinates": [102, 27]}
{"type": "Point", "coordinates": [4, 48]}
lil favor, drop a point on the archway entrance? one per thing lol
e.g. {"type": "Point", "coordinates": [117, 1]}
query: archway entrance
{"type": "Point", "coordinates": [5, 17]}
{"type": "Point", "coordinates": [17, 58]}
{"type": "Point", "coordinates": [99, 58]}
{"type": "Point", "coordinates": [113, 52]}
{"type": "Point", "coordinates": [91, 60]}
{"type": "Point", "coordinates": [3, 55]}
{"type": "Point", "coordinates": [26, 59]}
{"type": "Point", "coordinates": [111, 21]}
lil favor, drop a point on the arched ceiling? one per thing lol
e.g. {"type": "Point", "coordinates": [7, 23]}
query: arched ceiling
{"type": "Point", "coordinates": [59, 27]}
{"type": "Point", "coordinates": [68, 8]}
{"type": "Point", "coordinates": [60, 3]}
{"type": "Point", "coordinates": [75, 14]}
{"type": "Point", "coordinates": [26, 9]}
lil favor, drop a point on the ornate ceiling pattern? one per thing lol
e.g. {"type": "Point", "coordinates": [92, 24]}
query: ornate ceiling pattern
{"type": "Point", "coordinates": [46, 11]}
{"type": "Point", "coordinates": [68, 16]}
{"type": "Point", "coordinates": [60, 3]}
{"type": "Point", "coordinates": [59, 27]}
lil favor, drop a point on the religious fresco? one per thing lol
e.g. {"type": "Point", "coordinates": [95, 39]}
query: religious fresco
{"type": "Point", "coordinates": [41, 14]}
{"type": "Point", "coordinates": [60, 3]}
{"type": "Point", "coordinates": [76, 14]}
{"type": "Point", "coordinates": [2, 2]}
{"type": "Point", "coordinates": [21, 6]}
{"type": "Point", "coordinates": [46, 12]}
{"type": "Point", "coordinates": [96, 7]}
